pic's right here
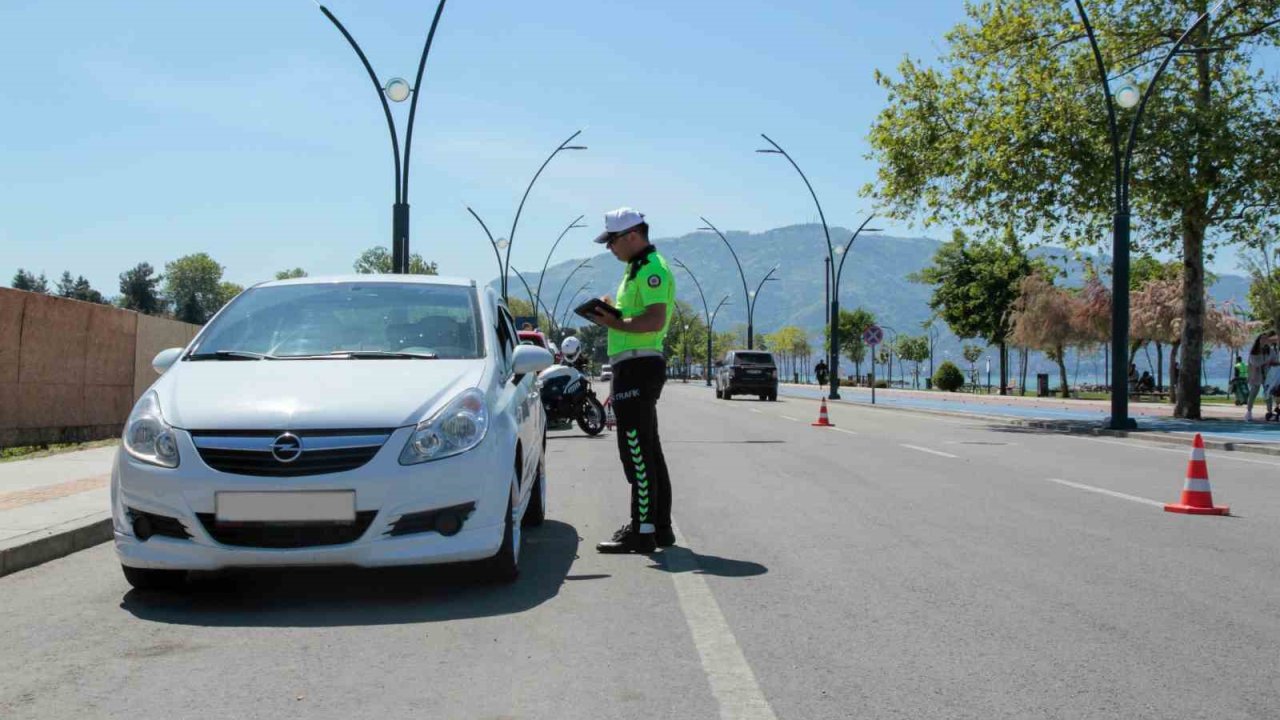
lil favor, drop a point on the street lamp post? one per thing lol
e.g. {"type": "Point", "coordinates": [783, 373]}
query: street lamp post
{"type": "Point", "coordinates": [751, 307]}
{"type": "Point", "coordinates": [504, 257]}
{"type": "Point", "coordinates": [499, 245]}
{"type": "Point", "coordinates": [747, 295]}
{"type": "Point", "coordinates": [1127, 96]}
{"type": "Point", "coordinates": [397, 90]}
{"type": "Point", "coordinates": [710, 316]}
{"type": "Point", "coordinates": [833, 316]}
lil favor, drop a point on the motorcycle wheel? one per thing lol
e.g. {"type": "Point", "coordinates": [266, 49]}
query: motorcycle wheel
{"type": "Point", "coordinates": [591, 416]}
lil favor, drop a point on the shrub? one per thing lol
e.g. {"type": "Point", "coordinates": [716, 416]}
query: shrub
{"type": "Point", "coordinates": [882, 384]}
{"type": "Point", "coordinates": [948, 377]}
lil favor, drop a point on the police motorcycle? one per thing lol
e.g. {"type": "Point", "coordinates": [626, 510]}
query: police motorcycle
{"type": "Point", "coordinates": [567, 396]}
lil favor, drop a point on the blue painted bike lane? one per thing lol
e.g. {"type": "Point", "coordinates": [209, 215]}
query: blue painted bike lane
{"type": "Point", "coordinates": [1222, 429]}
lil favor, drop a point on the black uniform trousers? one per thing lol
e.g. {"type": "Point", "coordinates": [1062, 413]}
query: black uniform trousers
{"type": "Point", "coordinates": [637, 385]}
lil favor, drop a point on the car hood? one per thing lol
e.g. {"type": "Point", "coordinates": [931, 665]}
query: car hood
{"type": "Point", "coordinates": [310, 394]}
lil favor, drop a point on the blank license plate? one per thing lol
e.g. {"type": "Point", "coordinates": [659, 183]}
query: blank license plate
{"type": "Point", "coordinates": [322, 506]}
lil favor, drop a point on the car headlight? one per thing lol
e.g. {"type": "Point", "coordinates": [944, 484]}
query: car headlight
{"type": "Point", "coordinates": [460, 426]}
{"type": "Point", "coordinates": [147, 437]}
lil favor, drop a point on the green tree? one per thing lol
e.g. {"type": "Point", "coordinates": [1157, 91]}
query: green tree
{"type": "Point", "coordinates": [972, 353]}
{"type": "Point", "coordinates": [139, 290]}
{"type": "Point", "coordinates": [23, 280]}
{"type": "Point", "coordinates": [193, 285]}
{"type": "Point", "coordinates": [1008, 127]}
{"type": "Point", "coordinates": [227, 292]}
{"type": "Point", "coordinates": [377, 260]}
{"type": "Point", "coordinates": [290, 274]}
{"type": "Point", "coordinates": [852, 324]}
{"type": "Point", "coordinates": [975, 285]}
{"type": "Point", "coordinates": [66, 285]}
{"type": "Point", "coordinates": [913, 349]}
{"type": "Point", "coordinates": [83, 291]}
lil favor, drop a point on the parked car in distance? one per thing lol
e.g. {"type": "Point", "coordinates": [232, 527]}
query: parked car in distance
{"type": "Point", "coordinates": [367, 420]}
{"type": "Point", "coordinates": [606, 373]}
{"type": "Point", "coordinates": [747, 372]}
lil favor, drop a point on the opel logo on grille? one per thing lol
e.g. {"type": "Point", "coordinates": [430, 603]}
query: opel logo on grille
{"type": "Point", "coordinates": [287, 448]}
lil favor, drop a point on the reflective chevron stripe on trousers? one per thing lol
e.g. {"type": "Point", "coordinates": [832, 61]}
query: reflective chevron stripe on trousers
{"type": "Point", "coordinates": [637, 385]}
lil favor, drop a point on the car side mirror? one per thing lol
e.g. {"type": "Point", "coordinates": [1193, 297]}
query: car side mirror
{"type": "Point", "coordinates": [530, 359]}
{"type": "Point", "coordinates": [165, 359]}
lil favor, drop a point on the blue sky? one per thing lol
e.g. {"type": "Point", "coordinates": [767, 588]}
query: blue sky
{"type": "Point", "coordinates": [148, 130]}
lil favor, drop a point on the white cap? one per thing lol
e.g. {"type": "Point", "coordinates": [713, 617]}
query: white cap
{"type": "Point", "coordinates": [619, 221]}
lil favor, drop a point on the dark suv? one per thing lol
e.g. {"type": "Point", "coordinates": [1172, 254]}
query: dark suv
{"type": "Point", "coordinates": [747, 372]}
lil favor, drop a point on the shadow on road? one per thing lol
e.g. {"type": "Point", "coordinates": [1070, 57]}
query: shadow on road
{"type": "Point", "coordinates": [678, 559]}
{"type": "Point", "coordinates": [326, 597]}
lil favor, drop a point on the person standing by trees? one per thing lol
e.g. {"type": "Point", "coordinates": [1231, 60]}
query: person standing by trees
{"type": "Point", "coordinates": [820, 372]}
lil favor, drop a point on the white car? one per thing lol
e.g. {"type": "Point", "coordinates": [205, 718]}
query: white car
{"type": "Point", "coordinates": [368, 420]}
{"type": "Point", "coordinates": [606, 373]}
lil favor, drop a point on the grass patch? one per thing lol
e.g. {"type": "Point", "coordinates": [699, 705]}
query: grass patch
{"type": "Point", "coordinates": [30, 452]}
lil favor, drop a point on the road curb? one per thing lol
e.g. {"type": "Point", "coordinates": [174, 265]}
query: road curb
{"type": "Point", "coordinates": [41, 546]}
{"type": "Point", "coordinates": [1068, 428]}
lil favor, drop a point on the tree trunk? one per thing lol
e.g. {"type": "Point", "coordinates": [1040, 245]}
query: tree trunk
{"type": "Point", "coordinates": [1022, 368]}
{"type": "Point", "coordinates": [1060, 355]}
{"type": "Point", "coordinates": [1175, 391]}
{"type": "Point", "coordinates": [1195, 222]}
{"type": "Point", "coordinates": [1160, 366]}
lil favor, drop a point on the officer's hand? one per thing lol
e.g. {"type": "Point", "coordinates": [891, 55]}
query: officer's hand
{"type": "Point", "coordinates": [604, 319]}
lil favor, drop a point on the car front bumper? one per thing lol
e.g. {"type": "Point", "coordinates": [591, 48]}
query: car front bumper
{"type": "Point", "coordinates": [382, 487]}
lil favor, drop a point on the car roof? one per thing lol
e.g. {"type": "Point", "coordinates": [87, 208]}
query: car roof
{"type": "Point", "coordinates": [373, 278]}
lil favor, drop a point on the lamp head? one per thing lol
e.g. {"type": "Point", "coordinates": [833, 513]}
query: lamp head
{"type": "Point", "coordinates": [1128, 95]}
{"type": "Point", "coordinates": [397, 90]}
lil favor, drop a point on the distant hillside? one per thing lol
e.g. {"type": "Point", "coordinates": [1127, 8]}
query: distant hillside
{"type": "Point", "coordinates": [875, 277]}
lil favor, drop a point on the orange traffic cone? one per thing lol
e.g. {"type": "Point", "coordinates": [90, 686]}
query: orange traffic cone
{"type": "Point", "coordinates": [822, 416]}
{"type": "Point", "coordinates": [1197, 499]}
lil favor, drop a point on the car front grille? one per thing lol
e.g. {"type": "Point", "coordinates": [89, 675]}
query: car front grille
{"type": "Point", "coordinates": [270, 453]}
{"type": "Point", "coordinates": [286, 535]}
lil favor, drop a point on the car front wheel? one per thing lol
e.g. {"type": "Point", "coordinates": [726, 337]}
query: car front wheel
{"type": "Point", "coordinates": [504, 567]}
{"type": "Point", "coordinates": [536, 513]}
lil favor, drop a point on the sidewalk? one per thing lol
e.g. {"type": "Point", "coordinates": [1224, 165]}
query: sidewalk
{"type": "Point", "coordinates": [53, 506]}
{"type": "Point", "coordinates": [1222, 424]}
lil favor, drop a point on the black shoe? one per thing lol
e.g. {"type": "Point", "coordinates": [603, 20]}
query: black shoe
{"type": "Point", "coordinates": [627, 541]}
{"type": "Point", "coordinates": [665, 536]}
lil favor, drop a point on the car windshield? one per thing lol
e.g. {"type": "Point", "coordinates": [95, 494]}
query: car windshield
{"type": "Point", "coordinates": [349, 320]}
{"type": "Point", "coordinates": [752, 358]}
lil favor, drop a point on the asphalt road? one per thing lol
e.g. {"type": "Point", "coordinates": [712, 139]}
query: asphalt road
{"type": "Point", "coordinates": [899, 566]}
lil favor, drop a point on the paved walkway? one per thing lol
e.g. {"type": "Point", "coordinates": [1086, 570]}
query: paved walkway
{"type": "Point", "coordinates": [1225, 423]}
{"type": "Point", "coordinates": [53, 505]}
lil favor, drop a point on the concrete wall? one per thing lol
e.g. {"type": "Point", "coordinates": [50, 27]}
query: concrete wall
{"type": "Point", "coordinates": [70, 370]}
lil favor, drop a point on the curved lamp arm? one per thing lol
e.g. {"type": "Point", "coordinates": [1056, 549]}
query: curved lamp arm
{"type": "Point", "coordinates": [413, 106]}
{"type": "Point", "coordinates": [563, 146]}
{"type": "Point", "coordinates": [565, 282]}
{"type": "Point", "coordinates": [845, 255]}
{"type": "Point", "coordinates": [746, 294]}
{"type": "Point", "coordinates": [777, 149]}
{"type": "Point", "coordinates": [547, 262]}
{"type": "Point", "coordinates": [502, 270]}
{"type": "Point", "coordinates": [377, 86]}
{"type": "Point", "coordinates": [705, 310]}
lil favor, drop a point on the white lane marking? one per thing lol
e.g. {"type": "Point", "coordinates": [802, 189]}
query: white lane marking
{"type": "Point", "coordinates": [1218, 455]}
{"type": "Point", "coordinates": [931, 452]}
{"type": "Point", "coordinates": [788, 417]}
{"type": "Point", "coordinates": [842, 430]}
{"type": "Point", "coordinates": [732, 683]}
{"type": "Point", "coordinates": [754, 410]}
{"type": "Point", "coordinates": [1104, 491]}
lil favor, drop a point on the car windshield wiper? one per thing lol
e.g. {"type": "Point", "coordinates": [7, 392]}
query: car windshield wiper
{"type": "Point", "coordinates": [230, 355]}
{"type": "Point", "coordinates": [363, 355]}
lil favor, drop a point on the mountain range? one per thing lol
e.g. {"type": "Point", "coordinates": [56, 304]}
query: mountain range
{"type": "Point", "coordinates": [875, 277]}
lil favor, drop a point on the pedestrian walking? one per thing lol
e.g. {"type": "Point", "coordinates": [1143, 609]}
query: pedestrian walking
{"type": "Point", "coordinates": [1240, 381]}
{"type": "Point", "coordinates": [820, 372]}
{"type": "Point", "coordinates": [635, 339]}
{"type": "Point", "coordinates": [1262, 356]}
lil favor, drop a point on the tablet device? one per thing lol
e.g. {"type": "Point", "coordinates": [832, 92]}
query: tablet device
{"type": "Point", "coordinates": [590, 307]}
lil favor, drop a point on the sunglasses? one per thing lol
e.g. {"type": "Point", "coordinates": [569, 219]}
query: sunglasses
{"type": "Point", "coordinates": [615, 238]}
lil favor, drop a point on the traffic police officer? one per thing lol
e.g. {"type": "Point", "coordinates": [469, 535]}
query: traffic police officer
{"type": "Point", "coordinates": [639, 371]}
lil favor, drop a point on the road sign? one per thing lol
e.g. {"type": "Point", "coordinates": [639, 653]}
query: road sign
{"type": "Point", "coordinates": [873, 335]}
